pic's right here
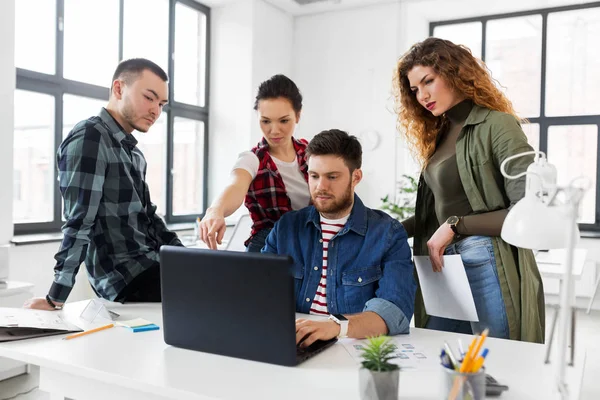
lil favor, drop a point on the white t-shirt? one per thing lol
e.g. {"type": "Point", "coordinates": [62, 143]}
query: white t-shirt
{"type": "Point", "coordinates": [295, 185]}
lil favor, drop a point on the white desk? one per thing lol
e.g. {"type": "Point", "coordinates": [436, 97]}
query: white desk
{"type": "Point", "coordinates": [13, 294]}
{"type": "Point", "coordinates": [119, 364]}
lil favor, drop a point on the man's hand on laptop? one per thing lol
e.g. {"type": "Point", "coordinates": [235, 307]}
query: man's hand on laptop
{"type": "Point", "coordinates": [307, 331]}
{"type": "Point", "coordinates": [40, 303]}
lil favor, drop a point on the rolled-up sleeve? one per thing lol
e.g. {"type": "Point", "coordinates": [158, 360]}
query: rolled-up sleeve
{"type": "Point", "coordinates": [395, 296]}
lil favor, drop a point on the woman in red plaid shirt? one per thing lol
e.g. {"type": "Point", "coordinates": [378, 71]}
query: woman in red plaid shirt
{"type": "Point", "coordinates": [271, 178]}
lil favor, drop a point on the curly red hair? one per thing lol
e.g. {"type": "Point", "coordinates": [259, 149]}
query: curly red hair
{"type": "Point", "coordinates": [465, 74]}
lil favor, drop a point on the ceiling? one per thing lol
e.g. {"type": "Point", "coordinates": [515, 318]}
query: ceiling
{"type": "Point", "coordinates": [292, 7]}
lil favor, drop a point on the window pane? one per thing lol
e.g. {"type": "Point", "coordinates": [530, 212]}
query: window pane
{"type": "Point", "coordinates": [35, 36]}
{"type": "Point", "coordinates": [532, 131]}
{"type": "Point", "coordinates": [139, 17]}
{"type": "Point", "coordinates": [514, 55]}
{"type": "Point", "coordinates": [190, 55]}
{"type": "Point", "coordinates": [76, 109]}
{"type": "Point", "coordinates": [33, 198]}
{"type": "Point", "coordinates": [188, 166]}
{"type": "Point", "coordinates": [468, 34]}
{"type": "Point", "coordinates": [573, 63]}
{"type": "Point", "coordinates": [154, 146]}
{"type": "Point", "coordinates": [91, 30]}
{"type": "Point", "coordinates": [573, 150]}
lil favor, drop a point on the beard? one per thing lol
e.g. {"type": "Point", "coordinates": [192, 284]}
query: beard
{"type": "Point", "coordinates": [130, 116]}
{"type": "Point", "coordinates": [334, 205]}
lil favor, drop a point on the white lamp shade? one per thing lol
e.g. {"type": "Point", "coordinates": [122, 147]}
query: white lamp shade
{"type": "Point", "coordinates": [531, 224]}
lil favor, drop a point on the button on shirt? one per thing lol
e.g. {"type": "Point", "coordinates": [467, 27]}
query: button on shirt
{"type": "Point", "coordinates": [111, 222]}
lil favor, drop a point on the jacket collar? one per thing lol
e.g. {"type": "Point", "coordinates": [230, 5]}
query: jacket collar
{"type": "Point", "coordinates": [357, 221]}
{"type": "Point", "coordinates": [477, 115]}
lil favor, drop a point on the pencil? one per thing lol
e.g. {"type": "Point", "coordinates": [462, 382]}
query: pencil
{"type": "Point", "coordinates": [100, 328]}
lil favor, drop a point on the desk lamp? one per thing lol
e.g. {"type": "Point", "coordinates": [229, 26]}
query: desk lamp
{"type": "Point", "coordinates": [546, 218]}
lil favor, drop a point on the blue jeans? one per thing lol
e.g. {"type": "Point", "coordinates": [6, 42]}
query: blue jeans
{"type": "Point", "coordinates": [477, 254]}
{"type": "Point", "coordinates": [257, 242]}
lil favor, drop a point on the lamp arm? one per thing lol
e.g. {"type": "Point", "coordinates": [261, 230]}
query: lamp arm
{"type": "Point", "coordinates": [526, 153]}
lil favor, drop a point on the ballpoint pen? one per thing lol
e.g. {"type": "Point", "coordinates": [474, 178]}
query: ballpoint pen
{"type": "Point", "coordinates": [461, 349]}
{"type": "Point", "coordinates": [453, 360]}
{"type": "Point", "coordinates": [478, 363]}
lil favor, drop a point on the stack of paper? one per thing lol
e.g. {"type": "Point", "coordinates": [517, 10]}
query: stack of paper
{"type": "Point", "coordinates": [139, 325]}
{"type": "Point", "coordinates": [23, 323]}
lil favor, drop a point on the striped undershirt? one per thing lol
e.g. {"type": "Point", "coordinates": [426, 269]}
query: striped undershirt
{"type": "Point", "coordinates": [329, 228]}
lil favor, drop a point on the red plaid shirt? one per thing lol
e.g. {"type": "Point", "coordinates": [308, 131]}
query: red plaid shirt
{"type": "Point", "coordinates": [267, 199]}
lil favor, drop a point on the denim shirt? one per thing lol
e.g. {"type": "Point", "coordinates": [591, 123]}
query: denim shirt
{"type": "Point", "coordinates": [369, 265]}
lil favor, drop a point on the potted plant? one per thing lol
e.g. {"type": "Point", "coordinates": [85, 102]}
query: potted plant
{"type": "Point", "coordinates": [404, 206]}
{"type": "Point", "coordinates": [378, 378]}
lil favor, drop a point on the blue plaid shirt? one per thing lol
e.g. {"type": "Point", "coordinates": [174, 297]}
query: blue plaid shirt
{"type": "Point", "coordinates": [111, 223]}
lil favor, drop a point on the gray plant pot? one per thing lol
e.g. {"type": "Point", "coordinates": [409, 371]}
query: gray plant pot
{"type": "Point", "coordinates": [375, 385]}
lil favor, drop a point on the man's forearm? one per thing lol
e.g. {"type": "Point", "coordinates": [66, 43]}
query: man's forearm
{"type": "Point", "coordinates": [366, 324]}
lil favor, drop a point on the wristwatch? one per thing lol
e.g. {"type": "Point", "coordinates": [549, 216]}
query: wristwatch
{"type": "Point", "coordinates": [342, 322]}
{"type": "Point", "coordinates": [51, 303]}
{"type": "Point", "coordinates": [453, 221]}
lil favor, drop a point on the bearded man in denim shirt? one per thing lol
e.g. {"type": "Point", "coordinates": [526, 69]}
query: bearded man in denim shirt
{"type": "Point", "coordinates": [349, 261]}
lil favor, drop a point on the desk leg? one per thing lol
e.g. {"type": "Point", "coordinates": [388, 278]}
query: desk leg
{"type": "Point", "coordinates": [549, 343]}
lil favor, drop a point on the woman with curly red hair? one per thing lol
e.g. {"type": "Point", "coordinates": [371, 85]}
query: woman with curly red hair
{"type": "Point", "coordinates": [461, 127]}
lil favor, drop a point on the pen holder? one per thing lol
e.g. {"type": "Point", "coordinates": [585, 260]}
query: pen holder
{"type": "Point", "coordinates": [465, 386]}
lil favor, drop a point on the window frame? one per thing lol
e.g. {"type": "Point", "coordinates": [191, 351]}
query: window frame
{"type": "Point", "coordinates": [57, 85]}
{"type": "Point", "coordinates": [544, 121]}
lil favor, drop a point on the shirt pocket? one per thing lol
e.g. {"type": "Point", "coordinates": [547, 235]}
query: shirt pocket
{"type": "Point", "coordinates": [359, 286]}
{"type": "Point", "coordinates": [298, 274]}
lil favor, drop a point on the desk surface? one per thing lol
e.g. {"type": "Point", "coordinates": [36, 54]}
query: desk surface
{"type": "Point", "coordinates": [144, 363]}
{"type": "Point", "coordinates": [552, 263]}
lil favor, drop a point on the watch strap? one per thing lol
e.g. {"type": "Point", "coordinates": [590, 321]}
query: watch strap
{"type": "Point", "coordinates": [51, 303]}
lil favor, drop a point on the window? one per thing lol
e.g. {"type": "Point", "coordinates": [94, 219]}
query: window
{"type": "Point", "coordinates": [64, 70]}
{"type": "Point", "coordinates": [548, 65]}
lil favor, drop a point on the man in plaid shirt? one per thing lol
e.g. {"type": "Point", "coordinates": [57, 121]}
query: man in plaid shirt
{"type": "Point", "coordinates": [111, 223]}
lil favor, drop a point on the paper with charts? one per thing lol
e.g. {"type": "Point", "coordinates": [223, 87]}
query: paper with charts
{"type": "Point", "coordinates": [23, 323]}
{"type": "Point", "coordinates": [407, 355]}
{"type": "Point", "coordinates": [446, 294]}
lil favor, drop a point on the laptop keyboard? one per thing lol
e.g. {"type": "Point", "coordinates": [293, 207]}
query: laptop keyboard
{"type": "Point", "coordinates": [304, 353]}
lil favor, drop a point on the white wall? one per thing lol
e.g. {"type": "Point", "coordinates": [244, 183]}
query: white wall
{"type": "Point", "coordinates": [271, 51]}
{"type": "Point", "coordinates": [343, 64]}
{"type": "Point", "coordinates": [7, 89]}
{"type": "Point", "coordinates": [230, 90]}
{"type": "Point", "coordinates": [250, 42]}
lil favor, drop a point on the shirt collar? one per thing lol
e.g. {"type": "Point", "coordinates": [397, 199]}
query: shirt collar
{"type": "Point", "coordinates": [116, 129]}
{"type": "Point", "coordinates": [357, 221]}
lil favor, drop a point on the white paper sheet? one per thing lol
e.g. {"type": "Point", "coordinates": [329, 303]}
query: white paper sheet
{"type": "Point", "coordinates": [28, 318]}
{"type": "Point", "coordinates": [446, 294]}
{"type": "Point", "coordinates": [407, 356]}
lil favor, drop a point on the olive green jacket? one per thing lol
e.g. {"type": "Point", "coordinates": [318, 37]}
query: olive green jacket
{"type": "Point", "coordinates": [488, 138]}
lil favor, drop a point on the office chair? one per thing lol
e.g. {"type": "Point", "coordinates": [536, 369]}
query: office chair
{"type": "Point", "coordinates": [241, 232]}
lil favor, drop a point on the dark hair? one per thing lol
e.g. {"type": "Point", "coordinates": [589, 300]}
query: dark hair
{"type": "Point", "coordinates": [338, 143]}
{"type": "Point", "coordinates": [130, 69]}
{"type": "Point", "coordinates": [280, 86]}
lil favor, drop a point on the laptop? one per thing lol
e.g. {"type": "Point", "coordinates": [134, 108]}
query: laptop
{"type": "Point", "coordinates": [233, 304]}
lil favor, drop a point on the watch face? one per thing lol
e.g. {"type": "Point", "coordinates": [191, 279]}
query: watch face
{"type": "Point", "coordinates": [452, 220]}
{"type": "Point", "coordinates": [340, 317]}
